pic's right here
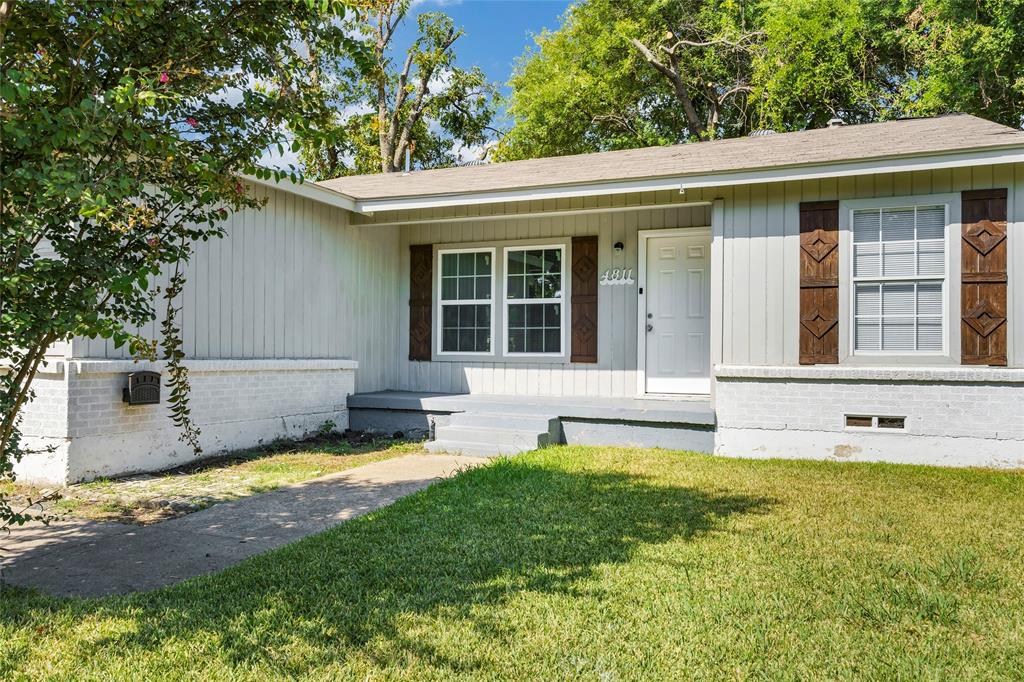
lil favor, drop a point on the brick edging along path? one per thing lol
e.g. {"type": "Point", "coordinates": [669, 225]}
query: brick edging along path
{"type": "Point", "coordinates": [91, 558]}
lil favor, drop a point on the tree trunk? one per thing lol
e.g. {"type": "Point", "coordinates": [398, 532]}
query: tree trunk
{"type": "Point", "coordinates": [671, 71]}
{"type": "Point", "coordinates": [18, 390]}
{"type": "Point", "coordinates": [6, 7]}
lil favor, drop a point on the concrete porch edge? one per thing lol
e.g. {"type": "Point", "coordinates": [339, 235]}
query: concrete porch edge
{"type": "Point", "coordinates": [696, 412]}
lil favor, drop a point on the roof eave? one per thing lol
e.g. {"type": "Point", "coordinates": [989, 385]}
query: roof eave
{"type": "Point", "coordinates": [890, 164]}
{"type": "Point", "coordinates": [983, 156]}
{"type": "Point", "coordinates": [308, 190]}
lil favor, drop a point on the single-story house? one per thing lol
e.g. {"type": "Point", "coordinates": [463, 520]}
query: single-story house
{"type": "Point", "coordinates": [855, 293]}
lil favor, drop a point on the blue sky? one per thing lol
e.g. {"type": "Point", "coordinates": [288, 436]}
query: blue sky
{"type": "Point", "coordinates": [497, 31]}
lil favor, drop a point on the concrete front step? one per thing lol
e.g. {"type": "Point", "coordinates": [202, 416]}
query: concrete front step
{"type": "Point", "coordinates": [515, 422]}
{"type": "Point", "coordinates": [494, 433]}
{"type": "Point", "coordinates": [472, 449]}
{"type": "Point", "coordinates": [630, 422]}
{"type": "Point", "coordinates": [486, 435]}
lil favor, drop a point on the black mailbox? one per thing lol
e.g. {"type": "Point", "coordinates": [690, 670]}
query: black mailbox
{"type": "Point", "coordinates": [143, 388]}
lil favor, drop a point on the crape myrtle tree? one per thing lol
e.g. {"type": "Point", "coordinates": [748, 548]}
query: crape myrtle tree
{"type": "Point", "coordinates": [126, 126]}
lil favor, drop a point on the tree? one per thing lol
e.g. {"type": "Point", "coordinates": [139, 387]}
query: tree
{"type": "Point", "coordinates": [629, 74]}
{"type": "Point", "coordinates": [125, 128]}
{"type": "Point", "coordinates": [381, 109]}
{"type": "Point", "coordinates": [705, 55]}
{"type": "Point", "coordinates": [877, 59]}
{"type": "Point", "coordinates": [964, 56]}
{"type": "Point", "coordinates": [824, 59]}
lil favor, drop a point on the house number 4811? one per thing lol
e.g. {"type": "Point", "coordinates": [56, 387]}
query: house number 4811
{"type": "Point", "coordinates": [617, 276]}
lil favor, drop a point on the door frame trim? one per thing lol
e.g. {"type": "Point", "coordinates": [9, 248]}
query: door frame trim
{"type": "Point", "coordinates": [641, 302]}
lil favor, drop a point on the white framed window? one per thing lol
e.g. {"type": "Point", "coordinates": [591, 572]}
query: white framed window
{"type": "Point", "coordinates": [898, 277]}
{"type": "Point", "coordinates": [466, 301]}
{"type": "Point", "coordinates": [534, 314]}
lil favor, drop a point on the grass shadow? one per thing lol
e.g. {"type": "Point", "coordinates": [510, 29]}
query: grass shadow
{"type": "Point", "coordinates": [474, 541]}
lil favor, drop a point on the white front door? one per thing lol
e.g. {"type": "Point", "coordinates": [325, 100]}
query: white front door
{"type": "Point", "coordinates": [678, 319]}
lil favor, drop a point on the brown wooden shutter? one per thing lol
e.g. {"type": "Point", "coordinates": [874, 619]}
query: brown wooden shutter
{"type": "Point", "coordinates": [421, 292]}
{"type": "Point", "coordinates": [983, 278]}
{"type": "Point", "coordinates": [819, 282]}
{"type": "Point", "coordinates": [584, 299]}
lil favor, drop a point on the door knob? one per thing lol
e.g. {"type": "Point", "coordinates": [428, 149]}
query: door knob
{"type": "Point", "coordinates": [650, 327]}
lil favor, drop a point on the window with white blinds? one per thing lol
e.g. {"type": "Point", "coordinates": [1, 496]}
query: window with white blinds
{"type": "Point", "coordinates": [899, 270]}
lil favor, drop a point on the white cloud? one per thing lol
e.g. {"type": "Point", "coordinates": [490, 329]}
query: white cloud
{"type": "Point", "coordinates": [473, 152]}
{"type": "Point", "coordinates": [357, 109]}
{"type": "Point", "coordinates": [440, 81]}
{"type": "Point", "coordinates": [438, 3]}
{"type": "Point", "coordinates": [272, 159]}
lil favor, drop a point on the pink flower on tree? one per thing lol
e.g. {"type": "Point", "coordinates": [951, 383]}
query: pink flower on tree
{"type": "Point", "coordinates": [191, 121]}
{"type": "Point", "coordinates": [153, 242]}
{"type": "Point", "coordinates": [163, 77]}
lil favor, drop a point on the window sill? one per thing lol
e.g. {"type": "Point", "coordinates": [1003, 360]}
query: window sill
{"type": "Point", "coordinates": [892, 372]}
{"type": "Point", "coordinates": [504, 359]}
{"type": "Point", "coordinates": [897, 360]}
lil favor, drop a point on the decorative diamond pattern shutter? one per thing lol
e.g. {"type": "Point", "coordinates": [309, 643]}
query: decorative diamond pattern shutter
{"type": "Point", "coordinates": [819, 282]}
{"type": "Point", "coordinates": [584, 299]}
{"type": "Point", "coordinates": [983, 277]}
{"type": "Point", "coordinates": [421, 292]}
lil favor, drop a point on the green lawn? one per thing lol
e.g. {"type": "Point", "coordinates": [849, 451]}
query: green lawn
{"type": "Point", "coordinates": [594, 564]}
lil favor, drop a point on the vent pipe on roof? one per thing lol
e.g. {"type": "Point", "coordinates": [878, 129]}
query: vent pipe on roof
{"type": "Point", "coordinates": [836, 122]}
{"type": "Point", "coordinates": [409, 149]}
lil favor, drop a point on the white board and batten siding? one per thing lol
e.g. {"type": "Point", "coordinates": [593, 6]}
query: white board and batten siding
{"type": "Point", "coordinates": [292, 281]}
{"type": "Point", "coordinates": [755, 270]}
{"type": "Point", "coordinates": [299, 280]}
{"type": "Point", "coordinates": [615, 372]}
{"type": "Point", "coordinates": [760, 249]}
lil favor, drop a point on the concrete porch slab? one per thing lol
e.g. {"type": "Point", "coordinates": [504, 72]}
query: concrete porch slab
{"type": "Point", "coordinates": [696, 411]}
{"type": "Point", "coordinates": [677, 423]}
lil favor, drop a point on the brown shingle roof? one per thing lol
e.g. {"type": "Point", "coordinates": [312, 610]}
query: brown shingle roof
{"type": "Point", "coordinates": [906, 137]}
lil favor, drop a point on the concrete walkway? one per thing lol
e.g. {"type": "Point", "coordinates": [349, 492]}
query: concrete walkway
{"type": "Point", "coordinates": [91, 558]}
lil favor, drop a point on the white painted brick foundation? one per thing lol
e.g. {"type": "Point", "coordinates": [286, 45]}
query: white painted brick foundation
{"type": "Point", "coordinates": [954, 416]}
{"type": "Point", "coordinates": [236, 403]}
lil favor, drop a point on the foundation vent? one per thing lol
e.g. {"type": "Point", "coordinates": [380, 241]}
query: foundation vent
{"type": "Point", "coordinates": [865, 421]}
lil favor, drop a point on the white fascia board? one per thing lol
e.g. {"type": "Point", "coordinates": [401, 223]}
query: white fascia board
{"type": "Point", "coordinates": [534, 214]}
{"type": "Point", "coordinates": [978, 157]}
{"type": "Point", "coordinates": [307, 190]}
{"type": "Point", "coordinates": [986, 157]}
{"type": "Point", "coordinates": [530, 194]}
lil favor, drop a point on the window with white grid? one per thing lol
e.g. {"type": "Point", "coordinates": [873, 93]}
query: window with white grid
{"type": "Point", "coordinates": [534, 279]}
{"type": "Point", "coordinates": [899, 270]}
{"type": "Point", "coordinates": [467, 301]}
